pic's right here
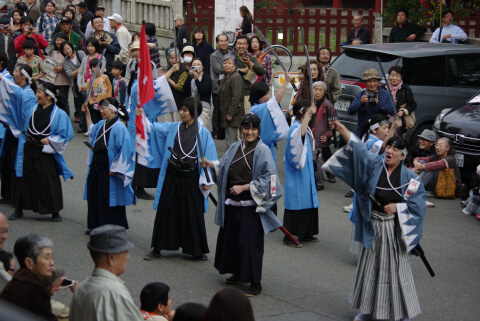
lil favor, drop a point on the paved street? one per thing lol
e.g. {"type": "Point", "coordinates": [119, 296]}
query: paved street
{"type": "Point", "coordinates": [310, 283]}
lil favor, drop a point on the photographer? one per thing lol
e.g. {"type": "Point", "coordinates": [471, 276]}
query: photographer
{"type": "Point", "coordinates": [202, 86]}
{"type": "Point", "coordinates": [107, 40]}
{"type": "Point", "coordinates": [29, 32]}
{"type": "Point", "coordinates": [371, 101]}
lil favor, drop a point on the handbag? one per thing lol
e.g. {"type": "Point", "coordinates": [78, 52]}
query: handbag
{"type": "Point", "coordinates": [446, 184]}
{"type": "Point", "coordinates": [409, 119]}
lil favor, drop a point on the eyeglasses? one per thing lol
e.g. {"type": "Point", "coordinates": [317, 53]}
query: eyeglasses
{"type": "Point", "coordinates": [4, 231]}
{"type": "Point", "coordinates": [440, 145]}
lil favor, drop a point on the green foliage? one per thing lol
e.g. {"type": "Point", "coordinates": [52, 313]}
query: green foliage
{"type": "Point", "coordinates": [423, 15]}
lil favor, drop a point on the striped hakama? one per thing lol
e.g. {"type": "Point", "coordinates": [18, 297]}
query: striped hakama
{"type": "Point", "coordinates": [383, 284]}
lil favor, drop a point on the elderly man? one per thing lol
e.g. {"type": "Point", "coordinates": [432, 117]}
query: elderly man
{"type": "Point", "coordinates": [334, 89]}
{"type": "Point", "coordinates": [359, 31]}
{"type": "Point", "coordinates": [103, 296]}
{"type": "Point", "coordinates": [183, 35]}
{"type": "Point", "coordinates": [371, 101]}
{"type": "Point", "coordinates": [246, 65]}
{"type": "Point", "coordinates": [123, 35]}
{"type": "Point", "coordinates": [75, 39]}
{"type": "Point", "coordinates": [4, 276]}
{"type": "Point", "coordinates": [217, 73]}
{"type": "Point", "coordinates": [90, 29]}
{"type": "Point", "coordinates": [449, 33]}
{"type": "Point", "coordinates": [27, 288]}
{"type": "Point", "coordinates": [425, 147]}
{"type": "Point", "coordinates": [405, 31]}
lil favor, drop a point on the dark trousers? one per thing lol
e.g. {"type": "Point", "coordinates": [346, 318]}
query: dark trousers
{"type": "Point", "coordinates": [62, 99]}
{"type": "Point", "coordinates": [217, 118]}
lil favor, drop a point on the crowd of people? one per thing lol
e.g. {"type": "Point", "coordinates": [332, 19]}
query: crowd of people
{"type": "Point", "coordinates": [211, 95]}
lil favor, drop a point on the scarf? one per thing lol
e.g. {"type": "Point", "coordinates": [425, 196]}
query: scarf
{"type": "Point", "coordinates": [394, 89]}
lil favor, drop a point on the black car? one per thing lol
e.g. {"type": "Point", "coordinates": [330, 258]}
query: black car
{"type": "Point", "coordinates": [462, 126]}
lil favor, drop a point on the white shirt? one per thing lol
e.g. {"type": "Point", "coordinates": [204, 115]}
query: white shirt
{"type": "Point", "coordinates": [124, 38]}
{"type": "Point", "coordinates": [457, 34]}
{"type": "Point", "coordinates": [89, 30]}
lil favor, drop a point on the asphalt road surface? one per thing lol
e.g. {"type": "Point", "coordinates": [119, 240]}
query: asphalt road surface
{"type": "Point", "coordinates": [309, 283]}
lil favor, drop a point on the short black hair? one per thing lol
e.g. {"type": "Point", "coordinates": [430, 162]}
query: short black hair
{"type": "Point", "coordinates": [324, 48]}
{"type": "Point", "coordinates": [150, 29]}
{"type": "Point", "coordinates": [62, 47]}
{"type": "Point", "coordinates": [59, 35]}
{"type": "Point", "coordinates": [28, 44]}
{"type": "Point", "coordinates": [50, 1]}
{"type": "Point", "coordinates": [3, 59]}
{"type": "Point", "coordinates": [260, 42]}
{"type": "Point", "coordinates": [153, 294]}
{"type": "Point", "coordinates": [118, 64]}
{"type": "Point", "coordinates": [405, 11]}
{"type": "Point", "coordinates": [96, 17]}
{"type": "Point", "coordinates": [397, 142]}
{"type": "Point", "coordinates": [25, 20]}
{"type": "Point", "coordinates": [299, 105]}
{"type": "Point", "coordinates": [204, 38]}
{"type": "Point", "coordinates": [94, 41]}
{"type": "Point", "coordinates": [83, 5]}
{"type": "Point", "coordinates": [93, 63]}
{"type": "Point", "coordinates": [189, 104]}
{"type": "Point", "coordinates": [242, 36]}
{"type": "Point", "coordinates": [190, 312]}
{"type": "Point", "coordinates": [444, 13]}
{"type": "Point", "coordinates": [220, 34]}
{"type": "Point", "coordinates": [257, 91]}
{"type": "Point", "coordinates": [398, 69]}
{"type": "Point", "coordinates": [5, 258]}
{"type": "Point", "coordinates": [251, 119]}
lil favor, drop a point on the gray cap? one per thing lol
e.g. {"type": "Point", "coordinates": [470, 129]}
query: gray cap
{"type": "Point", "coordinates": [109, 239]}
{"type": "Point", "coordinates": [4, 20]}
{"type": "Point", "coordinates": [427, 135]}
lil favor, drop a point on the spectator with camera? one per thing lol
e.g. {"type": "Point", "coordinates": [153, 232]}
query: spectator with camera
{"type": "Point", "coordinates": [371, 101]}
{"type": "Point", "coordinates": [202, 86]}
{"type": "Point", "coordinates": [107, 41]}
{"type": "Point", "coordinates": [29, 32]}
{"type": "Point", "coordinates": [7, 44]}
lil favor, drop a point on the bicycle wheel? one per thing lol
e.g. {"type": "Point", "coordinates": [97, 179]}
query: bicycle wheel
{"type": "Point", "coordinates": [283, 54]}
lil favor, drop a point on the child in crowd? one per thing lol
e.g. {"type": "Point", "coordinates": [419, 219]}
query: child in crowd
{"type": "Point", "coordinates": [155, 302]}
{"type": "Point", "coordinates": [102, 88]}
{"type": "Point", "coordinates": [35, 62]}
{"type": "Point", "coordinates": [118, 84]}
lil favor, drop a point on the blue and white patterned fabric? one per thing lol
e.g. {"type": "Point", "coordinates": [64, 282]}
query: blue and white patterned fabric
{"type": "Point", "coordinates": [361, 170]}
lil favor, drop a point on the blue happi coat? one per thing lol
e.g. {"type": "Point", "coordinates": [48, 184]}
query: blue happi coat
{"type": "Point", "coordinates": [361, 170]}
{"type": "Point", "coordinates": [3, 129]}
{"type": "Point", "coordinates": [160, 137]}
{"type": "Point", "coordinates": [274, 126]}
{"type": "Point", "coordinates": [120, 161]}
{"type": "Point", "coordinates": [300, 189]}
{"type": "Point", "coordinates": [262, 170]}
{"type": "Point", "coordinates": [61, 130]}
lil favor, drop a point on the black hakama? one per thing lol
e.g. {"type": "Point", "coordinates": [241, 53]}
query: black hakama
{"type": "Point", "coordinates": [240, 244]}
{"type": "Point", "coordinates": [98, 185]}
{"type": "Point", "coordinates": [145, 177]}
{"type": "Point", "coordinates": [301, 223]}
{"type": "Point", "coordinates": [8, 165]}
{"type": "Point", "coordinates": [180, 219]}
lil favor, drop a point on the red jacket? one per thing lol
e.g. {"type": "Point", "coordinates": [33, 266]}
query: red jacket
{"type": "Point", "coordinates": [40, 43]}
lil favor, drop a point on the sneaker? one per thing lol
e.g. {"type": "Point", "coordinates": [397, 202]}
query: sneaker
{"type": "Point", "coordinates": [56, 217]}
{"type": "Point", "coordinates": [142, 194]}
{"type": "Point", "coordinates": [332, 179]}
{"type": "Point", "coordinates": [430, 204]}
{"type": "Point", "coordinates": [253, 290]}
{"type": "Point", "coordinates": [288, 242]}
{"type": "Point", "coordinates": [462, 203]}
{"type": "Point", "coordinates": [16, 215]}
{"type": "Point", "coordinates": [232, 280]}
{"type": "Point", "coordinates": [349, 194]}
{"type": "Point", "coordinates": [429, 194]}
{"type": "Point", "coordinates": [309, 239]}
{"type": "Point", "coordinates": [152, 255]}
{"type": "Point", "coordinates": [86, 134]}
{"type": "Point", "coordinates": [320, 188]}
{"type": "Point", "coordinates": [464, 212]}
{"type": "Point", "coordinates": [348, 208]}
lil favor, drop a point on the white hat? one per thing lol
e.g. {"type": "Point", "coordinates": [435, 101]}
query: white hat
{"type": "Point", "coordinates": [116, 17]}
{"type": "Point", "coordinates": [478, 169]}
{"type": "Point", "coordinates": [135, 45]}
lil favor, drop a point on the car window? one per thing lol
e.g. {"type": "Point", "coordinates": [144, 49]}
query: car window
{"type": "Point", "coordinates": [425, 71]}
{"type": "Point", "coordinates": [464, 71]}
{"type": "Point", "coordinates": [352, 64]}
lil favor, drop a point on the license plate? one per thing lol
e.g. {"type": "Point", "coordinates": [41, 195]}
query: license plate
{"type": "Point", "coordinates": [342, 104]}
{"type": "Point", "coordinates": [460, 158]}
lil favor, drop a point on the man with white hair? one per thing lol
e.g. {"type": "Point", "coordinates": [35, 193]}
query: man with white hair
{"type": "Point", "coordinates": [123, 35]}
{"type": "Point", "coordinates": [359, 31]}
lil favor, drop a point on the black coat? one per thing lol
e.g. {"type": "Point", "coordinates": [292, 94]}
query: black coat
{"type": "Point", "coordinates": [363, 34]}
{"type": "Point", "coordinates": [12, 55]}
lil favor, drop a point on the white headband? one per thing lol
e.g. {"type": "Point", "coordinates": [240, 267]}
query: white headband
{"type": "Point", "coordinates": [48, 92]}
{"type": "Point", "coordinates": [25, 73]}
{"type": "Point", "coordinates": [377, 125]}
{"type": "Point", "coordinates": [115, 109]}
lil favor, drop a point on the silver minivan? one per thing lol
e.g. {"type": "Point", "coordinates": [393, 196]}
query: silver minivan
{"type": "Point", "coordinates": [440, 76]}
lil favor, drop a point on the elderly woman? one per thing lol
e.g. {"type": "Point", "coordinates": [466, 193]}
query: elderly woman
{"type": "Point", "coordinates": [321, 132]}
{"type": "Point", "coordinates": [428, 167]}
{"type": "Point", "coordinates": [179, 80]}
{"type": "Point", "coordinates": [27, 288]}
{"type": "Point", "coordinates": [248, 187]}
{"type": "Point", "coordinates": [301, 200]}
{"type": "Point", "coordinates": [181, 199]}
{"type": "Point", "coordinates": [402, 96]}
{"type": "Point", "coordinates": [108, 187]}
{"type": "Point", "coordinates": [389, 217]}
{"type": "Point", "coordinates": [46, 132]}
{"type": "Point", "coordinates": [230, 99]}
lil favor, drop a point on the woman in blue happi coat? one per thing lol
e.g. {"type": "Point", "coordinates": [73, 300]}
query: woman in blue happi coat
{"type": "Point", "coordinates": [108, 188]}
{"type": "Point", "coordinates": [46, 131]}
{"type": "Point", "coordinates": [301, 200]}
{"type": "Point", "coordinates": [248, 187]}
{"type": "Point", "coordinates": [181, 199]}
{"type": "Point", "coordinates": [389, 228]}
{"type": "Point", "coordinates": [22, 77]}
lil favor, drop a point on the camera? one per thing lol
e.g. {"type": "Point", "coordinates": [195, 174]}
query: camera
{"type": "Point", "coordinates": [196, 68]}
{"type": "Point", "coordinates": [30, 28]}
{"type": "Point", "coordinates": [333, 118]}
{"type": "Point", "coordinates": [4, 26]}
{"type": "Point", "coordinates": [371, 96]}
{"type": "Point", "coordinates": [102, 38]}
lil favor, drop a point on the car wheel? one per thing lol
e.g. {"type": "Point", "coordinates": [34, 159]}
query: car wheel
{"type": "Point", "coordinates": [418, 130]}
